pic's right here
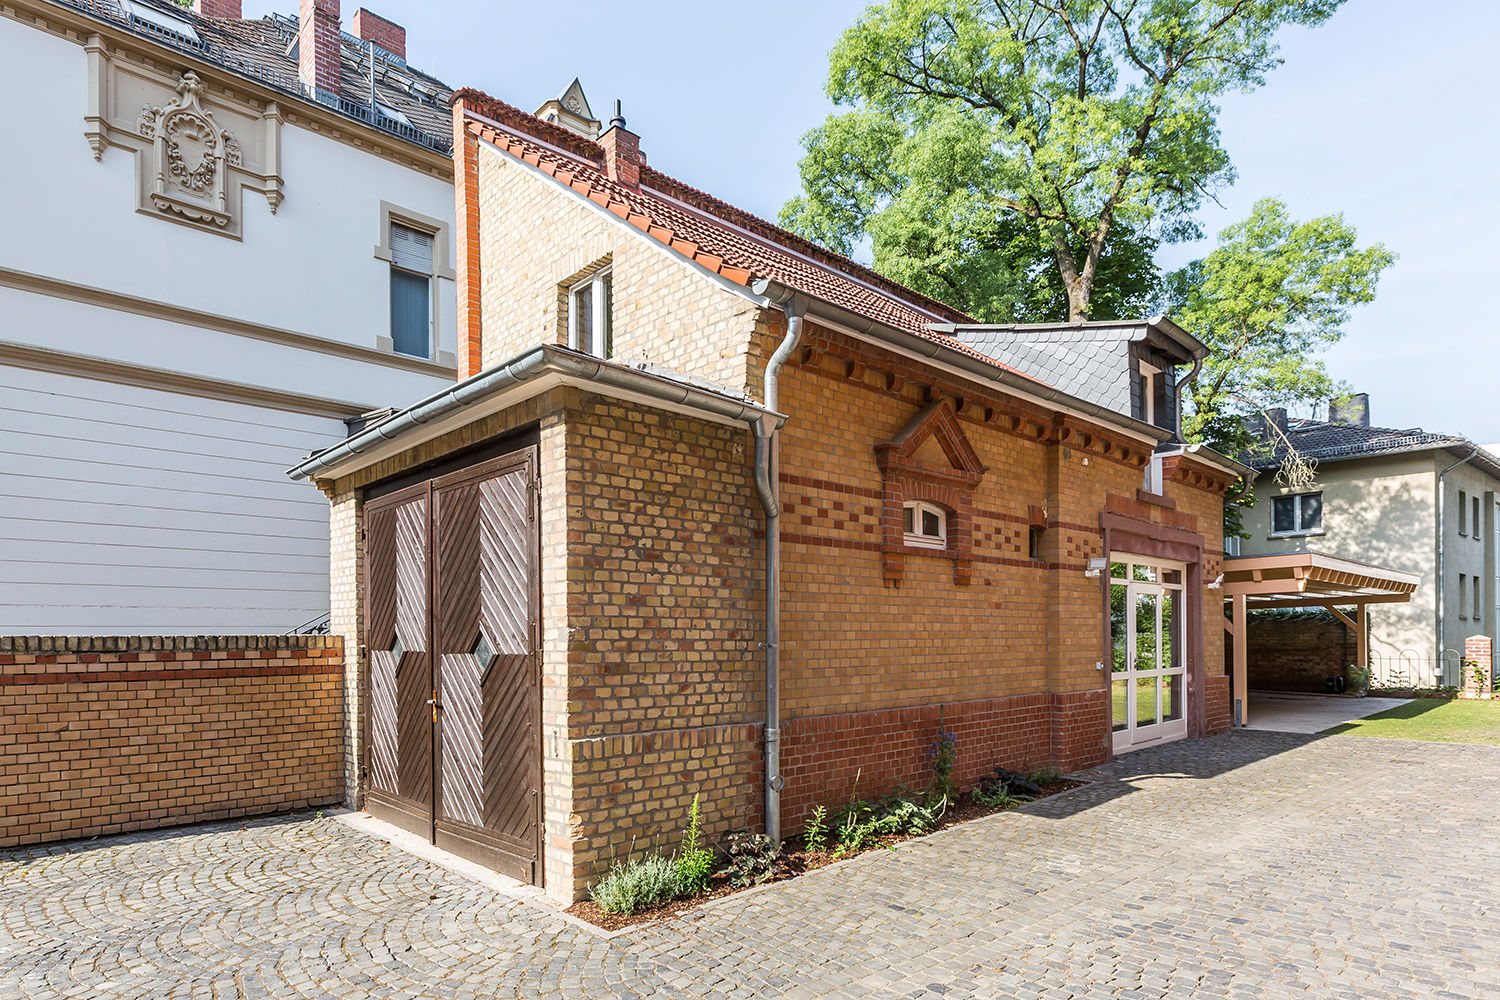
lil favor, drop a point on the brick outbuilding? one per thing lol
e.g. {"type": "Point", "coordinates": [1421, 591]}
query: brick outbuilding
{"type": "Point", "coordinates": [710, 500]}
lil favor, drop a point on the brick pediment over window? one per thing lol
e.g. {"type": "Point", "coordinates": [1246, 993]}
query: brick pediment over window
{"type": "Point", "coordinates": [930, 461]}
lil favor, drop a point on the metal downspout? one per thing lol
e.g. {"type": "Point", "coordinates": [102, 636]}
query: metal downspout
{"type": "Point", "coordinates": [1177, 394]}
{"type": "Point", "coordinates": [1442, 506]}
{"type": "Point", "coordinates": [766, 474]}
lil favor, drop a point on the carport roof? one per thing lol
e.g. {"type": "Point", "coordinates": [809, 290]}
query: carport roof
{"type": "Point", "coordinates": [1313, 579]}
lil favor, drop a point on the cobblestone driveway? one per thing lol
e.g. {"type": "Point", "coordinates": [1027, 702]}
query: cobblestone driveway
{"type": "Point", "coordinates": [1253, 865]}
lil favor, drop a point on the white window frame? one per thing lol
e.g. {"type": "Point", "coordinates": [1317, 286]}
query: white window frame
{"type": "Point", "coordinates": [1296, 499]}
{"type": "Point", "coordinates": [917, 538]}
{"type": "Point", "coordinates": [1149, 375]}
{"type": "Point", "coordinates": [594, 285]}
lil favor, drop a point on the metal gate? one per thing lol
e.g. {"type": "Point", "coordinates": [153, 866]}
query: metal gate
{"type": "Point", "coordinates": [453, 700]}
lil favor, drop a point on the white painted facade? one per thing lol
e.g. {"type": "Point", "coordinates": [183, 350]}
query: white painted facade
{"type": "Point", "coordinates": [158, 378]}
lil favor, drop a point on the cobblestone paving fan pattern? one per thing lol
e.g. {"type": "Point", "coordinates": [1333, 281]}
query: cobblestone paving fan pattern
{"type": "Point", "coordinates": [1252, 865]}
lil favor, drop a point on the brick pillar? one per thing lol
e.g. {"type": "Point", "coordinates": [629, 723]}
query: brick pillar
{"type": "Point", "coordinates": [386, 34]}
{"type": "Point", "coordinates": [219, 8]}
{"type": "Point", "coordinates": [319, 45]}
{"type": "Point", "coordinates": [466, 196]}
{"type": "Point", "coordinates": [1478, 667]}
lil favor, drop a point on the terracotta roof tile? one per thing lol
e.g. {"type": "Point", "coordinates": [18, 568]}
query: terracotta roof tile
{"type": "Point", "coordinates": [725, 240]}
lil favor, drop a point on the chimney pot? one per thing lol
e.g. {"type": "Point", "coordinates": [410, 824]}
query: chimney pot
{"type": "Point", "coordinates": [319, 46]}
{"type": "Point", "coordinates": [1351, 412]}
{"type": "Point", "coordinates": [230, 9]}
{"type": "Point", "coordinates": [389, 35]}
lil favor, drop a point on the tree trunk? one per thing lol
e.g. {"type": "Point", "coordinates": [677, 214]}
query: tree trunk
{"type": "Point", "coordinates": [1079, 287]}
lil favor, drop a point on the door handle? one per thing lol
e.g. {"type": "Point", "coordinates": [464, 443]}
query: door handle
{"type": "Point", "coordinates": [435, 706]}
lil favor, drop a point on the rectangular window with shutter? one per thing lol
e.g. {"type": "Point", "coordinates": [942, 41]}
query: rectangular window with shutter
{"type": "Point", "coordinates": [590, 315]}
{"type": "Point", "coordinates": [411, 291]}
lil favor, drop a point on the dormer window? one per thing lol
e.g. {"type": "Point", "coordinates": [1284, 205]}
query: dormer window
{"type": "Point", "coordinates": [590, 315]}
{"type": "Point", "coordinates": [926, 525]}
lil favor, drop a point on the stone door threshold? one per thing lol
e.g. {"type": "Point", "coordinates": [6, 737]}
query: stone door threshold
{"type": "Point", "coordinates": [504, 885]}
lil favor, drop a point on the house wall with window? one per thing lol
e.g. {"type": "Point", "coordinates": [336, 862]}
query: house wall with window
{"type": "Point", "coordinates": [161, 366]}
{"type": "Point", "coordinates": [1382, 510]}
{"type": "Point", "coordinates": [542, 243]}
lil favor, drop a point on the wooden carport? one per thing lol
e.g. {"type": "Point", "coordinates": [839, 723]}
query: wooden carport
{"type": "Point", "coordinates": [1305, 580]}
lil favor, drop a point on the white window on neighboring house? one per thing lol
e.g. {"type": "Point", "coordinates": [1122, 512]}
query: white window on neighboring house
{"type": "Point", "coordinates": [590, 319]}
{"type": "Point", "coordinates": [411, 291]}
{"type": "Point", "coordinates": [1232, 545]}
{"type": "Point", "coordinates": [926, 525]}
{"type": "Point", "coordinates": [1298, 514]}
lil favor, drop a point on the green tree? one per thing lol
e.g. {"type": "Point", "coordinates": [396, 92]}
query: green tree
{"type": "Point", "coordinates": [1268, 302]}
{"type": "Point", "coordinates": [989, 141]}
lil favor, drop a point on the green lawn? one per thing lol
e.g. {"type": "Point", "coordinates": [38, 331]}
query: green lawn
{"type": "Point", "coordinates": [1434, 720]}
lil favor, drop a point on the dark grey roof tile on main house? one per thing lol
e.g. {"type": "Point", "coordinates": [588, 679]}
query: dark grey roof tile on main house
{"type": "Point", "coordinates": [1087, 360]}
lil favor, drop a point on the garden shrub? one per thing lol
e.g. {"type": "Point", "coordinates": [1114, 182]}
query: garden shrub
{"type": "Point", "coordinates": [636, 883]}
{"type": "Point", "coordinates": [753, 858]}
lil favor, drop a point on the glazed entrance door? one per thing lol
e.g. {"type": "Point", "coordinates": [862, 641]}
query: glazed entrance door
{"type": "Point", "coordinates": [1148, 680]}
{"type": "Point", "coordinates": [453, 716]}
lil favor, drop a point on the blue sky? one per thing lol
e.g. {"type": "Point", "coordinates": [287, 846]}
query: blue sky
{"type": "Point", "coordinates": [1387, 113]}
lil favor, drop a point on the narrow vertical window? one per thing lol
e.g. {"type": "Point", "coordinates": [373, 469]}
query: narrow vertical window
{"type": "Point", "coordinates": [1475, 518]}
{"type": "Point", "coordinates": [1463, 596]}
{"type": "Point", "coordinates": [411, 291]}
{"type": "Point", "coordinates": [590, 315]}
{"type": "Point", "coordinates": [1463, 513]}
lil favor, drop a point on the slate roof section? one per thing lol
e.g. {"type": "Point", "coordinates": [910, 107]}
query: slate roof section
{"type": "Point", "coordinates": [1324, 441]}
{"type": "Point", "coordinates": [1087, 360]}
{"type": "Point", "coordinates": [726, 240]}
{"type": "Point", "coordinates": [264, 49]}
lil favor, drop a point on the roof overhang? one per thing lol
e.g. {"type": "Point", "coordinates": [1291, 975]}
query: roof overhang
{"type": "Point", "coordinates": [527, 375]}
{"type": "Point", "coordinates": [977, 370]}
{"type": "Point", "coordinates": [1311, 580]}
{"type": "Point", "coordinates": [1160, 325]}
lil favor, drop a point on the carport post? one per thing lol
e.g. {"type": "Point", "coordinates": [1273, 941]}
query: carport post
{"type": "Point", "coordinates": [1362, 639]}
{"type": "Point", "coordinates": [1241, 682]}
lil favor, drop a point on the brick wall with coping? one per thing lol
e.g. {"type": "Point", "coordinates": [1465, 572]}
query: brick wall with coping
{"type": "Point", "coordinates": [102, 735]}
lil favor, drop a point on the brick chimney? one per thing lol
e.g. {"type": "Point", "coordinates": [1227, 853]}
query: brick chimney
{"type": "Point", "coordinates": [1351, 412]}
{"type": "Point", "coordinates": [319, 46]}
{"type": "Point", "coordinates": [386, 34]}
{"type": "Point", "coordinates": [622, 152]}
{"type": "Point", "coordinates": [230, 9]}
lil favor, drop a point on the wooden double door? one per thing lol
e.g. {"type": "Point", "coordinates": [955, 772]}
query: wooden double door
{"type": "Point", "coordinates": [453, 704]}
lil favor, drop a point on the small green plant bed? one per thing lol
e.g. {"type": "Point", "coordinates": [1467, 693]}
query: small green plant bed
{"type": "Point", "coordinates": [1434, 720]}
{"type": "Point", "coordinates": [1444, 693]}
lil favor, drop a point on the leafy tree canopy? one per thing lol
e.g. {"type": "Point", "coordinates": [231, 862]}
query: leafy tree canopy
{"type": "Point", "coordinates": [988, 142]}
{"type": "Point", "coordinates": [1268, 302]}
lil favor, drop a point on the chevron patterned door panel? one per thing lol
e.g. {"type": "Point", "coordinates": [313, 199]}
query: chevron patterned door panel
{"type": "Point", "coordinates": [398, 718]}
{"type": "Point", "coordinates": [477, 719]}
{"type": "Point", "coordinates": [488, 739]}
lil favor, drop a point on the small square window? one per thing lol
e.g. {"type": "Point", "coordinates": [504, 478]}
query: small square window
{"type": "Point", "coordinates": [1298, 514]}
{"type": "Point", "coordinates": [925, 524]}
{"type": "Point", "coordinates": [590, 315]}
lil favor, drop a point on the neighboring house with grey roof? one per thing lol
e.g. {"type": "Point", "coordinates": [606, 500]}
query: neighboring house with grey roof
{"type": "Point", "coordinates": [1376, 500]}
{"type": "Point", "coordinates": [224, 237]}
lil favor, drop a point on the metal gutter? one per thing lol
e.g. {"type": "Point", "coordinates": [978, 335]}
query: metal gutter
{"type": "Point", "coordinates": [538, 362]}
{"type": "Point", "coordinates": [979, 370]}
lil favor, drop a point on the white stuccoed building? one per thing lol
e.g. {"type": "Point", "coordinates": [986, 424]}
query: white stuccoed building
{"type": "Point", "coordinates": [214, 253]}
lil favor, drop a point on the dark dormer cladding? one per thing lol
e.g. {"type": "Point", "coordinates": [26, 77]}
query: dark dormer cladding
{"type": "Point", "coordinates": [1131, 366]}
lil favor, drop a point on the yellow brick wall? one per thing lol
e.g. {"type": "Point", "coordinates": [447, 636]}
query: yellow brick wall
{"type": "Point", "coordinates": [535, 236]}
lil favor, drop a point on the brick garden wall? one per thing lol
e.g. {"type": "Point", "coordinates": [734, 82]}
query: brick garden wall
{"type": "Point", "coordinates": [103, 735]}
{"type": "Point", "coordinates": [1297, 652]}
